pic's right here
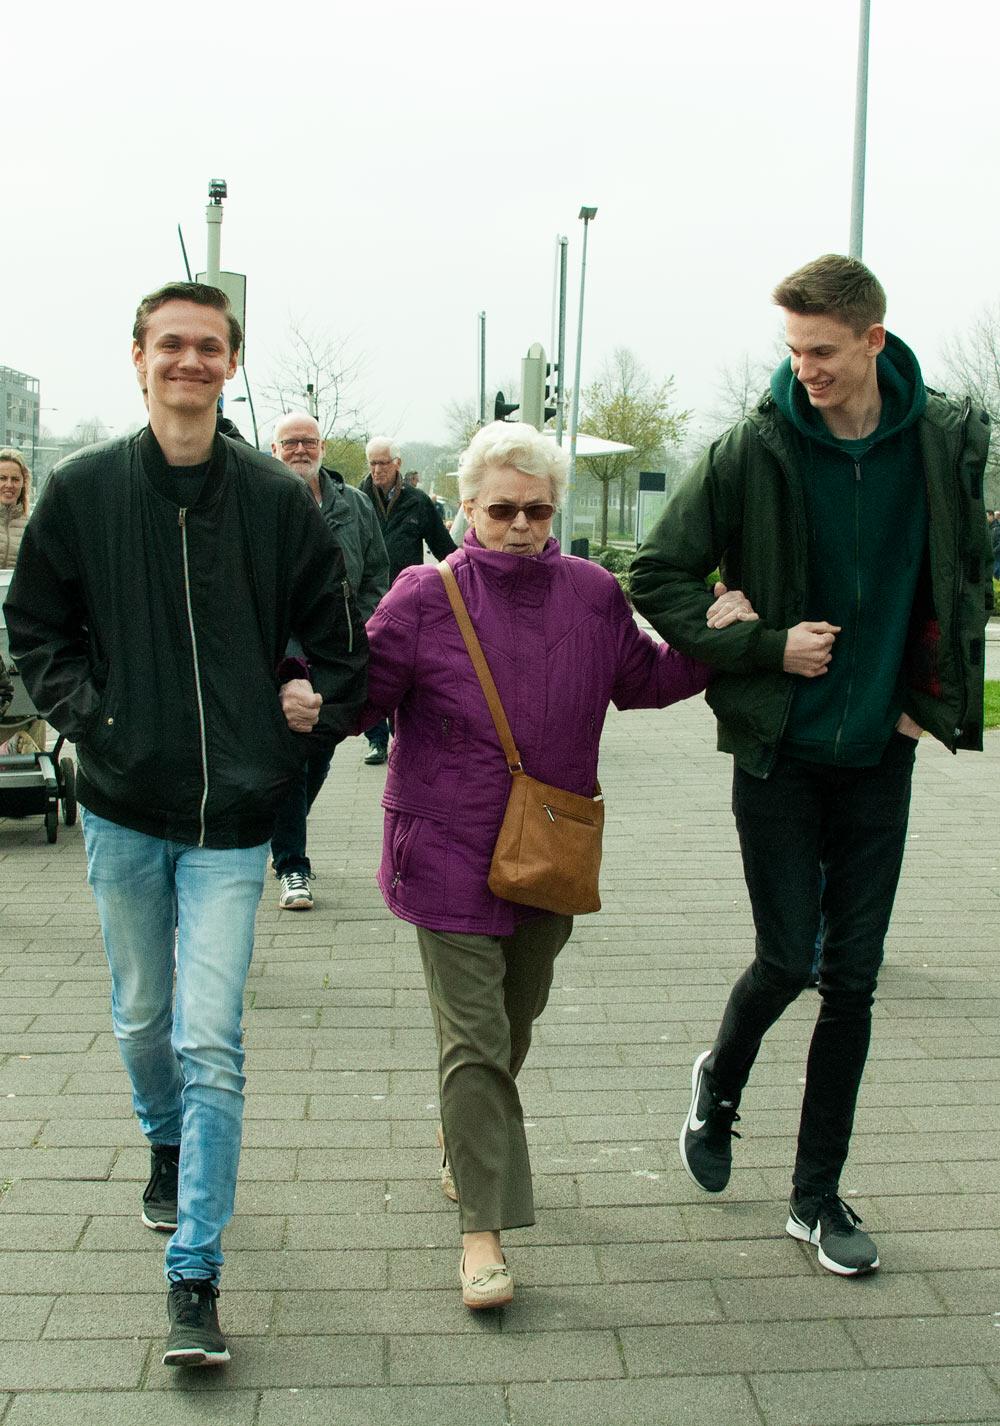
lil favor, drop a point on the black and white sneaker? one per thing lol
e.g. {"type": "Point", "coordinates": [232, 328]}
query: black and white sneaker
{"type": "Point", "coordinates": [706, 1141]}
{"type": "Point", "coordinates": [195, 1338]}
{"type": "Point", "coordinates": [831, 1225]}
{"type": "Point", "coordinates": [159, 1198]}
{"type": "Point", "coordinates": [295, 892]}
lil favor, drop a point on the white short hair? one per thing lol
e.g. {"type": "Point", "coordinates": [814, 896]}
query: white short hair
{"type": "Point", "coordinates": [516, 444]}
{"type": "Point", "coordinates": [393, 447]}
{"type": "Point", "coordinates": [292, 416]}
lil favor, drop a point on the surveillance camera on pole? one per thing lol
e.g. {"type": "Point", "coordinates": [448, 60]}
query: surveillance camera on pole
{"type": "Point", "coordinates": [217, 190]}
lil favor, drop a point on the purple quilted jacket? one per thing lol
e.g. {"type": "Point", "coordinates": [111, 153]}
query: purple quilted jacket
{"type": "Point", "coordinates": [561, 644]}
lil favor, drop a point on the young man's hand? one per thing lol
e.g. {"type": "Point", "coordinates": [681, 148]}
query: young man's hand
{"type": "Point", "coordinates": [300, 705]}
{"type": "Point", "coordinates": [809, 648]}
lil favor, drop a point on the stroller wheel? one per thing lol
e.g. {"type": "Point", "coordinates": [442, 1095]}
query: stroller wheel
{"type": "Point", "coordinates": [68, 778]}
{"type": "Point", "coordinates": [51, 823]}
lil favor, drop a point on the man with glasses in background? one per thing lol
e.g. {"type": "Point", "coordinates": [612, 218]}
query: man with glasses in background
{"type": "Point", "coordinates": [354, 525]}
{"type": "Point", "coordinates": [409, 519]}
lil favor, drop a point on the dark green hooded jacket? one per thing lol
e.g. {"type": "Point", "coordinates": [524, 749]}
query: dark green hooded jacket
{"type": "Point", "coordinates": [866, 517]}
{"type": "Point", "coordinates": [742, 508]}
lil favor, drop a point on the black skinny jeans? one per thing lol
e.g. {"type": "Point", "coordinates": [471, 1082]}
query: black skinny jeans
{"type": "Point", "coordinates": [849, 824]}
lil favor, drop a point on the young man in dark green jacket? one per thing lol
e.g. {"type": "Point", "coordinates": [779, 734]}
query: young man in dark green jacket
{"type": "Point", "coordinates": [848, 507]}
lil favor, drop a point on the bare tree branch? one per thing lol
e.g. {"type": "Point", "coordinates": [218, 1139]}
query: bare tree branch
{"type": "Point", "coordinates": [972, 365]}
{"type": "Point", "coordinates": [323, 363]}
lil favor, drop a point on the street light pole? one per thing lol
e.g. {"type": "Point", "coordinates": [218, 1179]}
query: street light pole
{"type": "Point", "coordinates": [860, 133]}
{"type": "Point", "coordinates": [482, 368]}
{"type": "Point", "coordinates": [574, 420]}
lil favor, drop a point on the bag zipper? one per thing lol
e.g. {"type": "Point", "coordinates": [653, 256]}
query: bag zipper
{"type": "Point", "coordinates": [181, 520]}
{"type": "Point", "coordinates": [555, 812]}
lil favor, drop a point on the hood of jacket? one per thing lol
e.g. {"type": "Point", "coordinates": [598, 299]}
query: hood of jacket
{"type": "Point", "coordinates": [901, 385]}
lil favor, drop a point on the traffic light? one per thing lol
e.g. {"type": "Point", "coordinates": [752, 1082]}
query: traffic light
{"type": "Point", "coordinates": [501, 408]}
{"type": "Point", "coordinates": [551, 391]}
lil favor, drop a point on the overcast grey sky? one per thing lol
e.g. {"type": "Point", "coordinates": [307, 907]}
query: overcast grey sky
{"type": "Point", "coordinates": [393, 168]}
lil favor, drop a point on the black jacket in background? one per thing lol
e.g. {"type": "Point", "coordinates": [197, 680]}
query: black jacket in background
{"type": "Point", "coordinates": [413, 519]}
{"type": "Point", "coordinates": [152, 635]}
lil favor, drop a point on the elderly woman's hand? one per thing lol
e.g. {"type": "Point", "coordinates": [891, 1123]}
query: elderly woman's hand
{"type": "Point", "coordinates": [300, 705]}
{"type": "Point", "coordinates": [731, 607]}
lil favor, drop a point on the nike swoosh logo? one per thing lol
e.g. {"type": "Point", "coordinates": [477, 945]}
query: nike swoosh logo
{"type": "Point", "coordinates": [694, 1123]}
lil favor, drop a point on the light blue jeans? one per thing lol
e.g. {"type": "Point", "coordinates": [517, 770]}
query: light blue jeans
{"type": "Point", "coordinates": [183, 1050]}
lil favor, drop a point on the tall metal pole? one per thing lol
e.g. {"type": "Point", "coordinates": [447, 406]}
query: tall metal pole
{"type": "Point", "coordinates": [561, 347]}
{"type": "Point", "coordinates": [482, 368]}
{"type": "Point", "coordinates": [860, 133]}
{"type": "Point", "coordinates": [567, 519]}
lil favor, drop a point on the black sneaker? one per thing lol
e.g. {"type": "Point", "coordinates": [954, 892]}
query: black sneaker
{"type": "Point", "coordinates": [831, 1226]}
{"type": "Point", "coordinates": [195, 1338]}
{"type": "Point", "coordinates": [376, 755]}
{"type": "Point", "coordinates": [159, 1199]}
{"type": "Point", "coordinates": [706, 1140]}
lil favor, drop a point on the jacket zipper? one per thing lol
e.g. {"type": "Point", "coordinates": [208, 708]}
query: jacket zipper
{"type": "Point", "coordinates": [346, 584]}
{"type": "Point", "coordinates": [857, 609]}
{"type": "Point", "coordinates": [956, 594]}
{"type": "Point", "coordinates": [181, 520]}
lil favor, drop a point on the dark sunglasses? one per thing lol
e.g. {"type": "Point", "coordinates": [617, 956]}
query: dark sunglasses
{"type": "Point", "coordinates": [505, 512]}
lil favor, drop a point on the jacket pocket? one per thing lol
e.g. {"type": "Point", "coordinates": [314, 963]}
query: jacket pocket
{"type": "Point", "coordinates": [402, 838]}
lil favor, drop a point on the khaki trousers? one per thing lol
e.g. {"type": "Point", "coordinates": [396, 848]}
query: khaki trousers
{"type": "Point", "coordinates": [485, 993]}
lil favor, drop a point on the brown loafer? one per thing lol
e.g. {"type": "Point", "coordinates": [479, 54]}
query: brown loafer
{"type": "Point", "coordinates": [491, 1286]}
{"type": "Point", "coordinates": [447, 1178]}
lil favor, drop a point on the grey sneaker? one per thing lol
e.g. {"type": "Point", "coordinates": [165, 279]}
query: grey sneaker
{"type": "Point", "coordinates": [195, 1338]}
{"type": "Point", "coordinates": [295, 892]}
{"type": "Point", "coordinates": [831, 1226]}
{"type": "Point", "coordinates": [706, 1141]}
{"type": "Point", "coordinates": [159, 1199]}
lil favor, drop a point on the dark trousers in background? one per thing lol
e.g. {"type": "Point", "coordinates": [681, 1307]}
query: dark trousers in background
{"type": "Point", "coordinates": [288, 840]}
{"type": "Point", "coordinates": [850, 825]}
{"type": "Point", "coordinates": [378, 734]}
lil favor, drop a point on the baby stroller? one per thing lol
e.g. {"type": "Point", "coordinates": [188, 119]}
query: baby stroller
{"type": "Point", "coordinates": [32, 782]}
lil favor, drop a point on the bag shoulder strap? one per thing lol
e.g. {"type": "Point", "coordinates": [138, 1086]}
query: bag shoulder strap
{"type": "Point", "coordinates": [481, 666]}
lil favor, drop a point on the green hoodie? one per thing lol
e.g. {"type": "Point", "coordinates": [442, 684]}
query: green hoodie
{"type": "Point", "coordinates": [866, 512]}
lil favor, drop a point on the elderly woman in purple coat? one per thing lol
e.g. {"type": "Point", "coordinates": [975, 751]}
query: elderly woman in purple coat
{"type": "Point", "coordinates": [561, 643]}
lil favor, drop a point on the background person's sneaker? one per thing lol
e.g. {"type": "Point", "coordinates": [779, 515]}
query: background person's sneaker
{"type": "Point", "coordinates": [295, 893]}
{"type": "Point", "coordinates": [159, 1198]}
{"type": "Point", "coordinates": [831, 1226]}
{"type": "Point", "coordinates": [376, 755]}
{"type": "Point", "coordinates": [706, 1141]}
{"type": "Point", "coordinates": [195, 1338]}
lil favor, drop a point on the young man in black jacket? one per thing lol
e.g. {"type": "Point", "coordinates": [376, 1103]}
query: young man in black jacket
{"type": "Point", "coordinates": [848, 507]}
{"type": "Point", "coordinates": [409, 520]}
{"type": "Point", "coordinates": [160, 581]}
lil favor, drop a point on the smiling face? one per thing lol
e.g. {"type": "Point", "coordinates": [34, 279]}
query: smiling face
{"type": "Point", "coordinates": [505, 485]}
{"type": "Point", "coordinates": [185, 359]}
{"type": "Point", "coordinates": [834, 364]}
{"type": "Point", "coordinates": [11, 483]}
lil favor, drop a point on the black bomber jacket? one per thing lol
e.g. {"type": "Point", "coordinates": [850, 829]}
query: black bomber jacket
{"type": "Point", "coordinates": [153, 635]}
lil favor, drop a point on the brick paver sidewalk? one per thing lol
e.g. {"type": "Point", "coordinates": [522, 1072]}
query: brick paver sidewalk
{"type": "Point", "coordinates": [638, 1300]}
